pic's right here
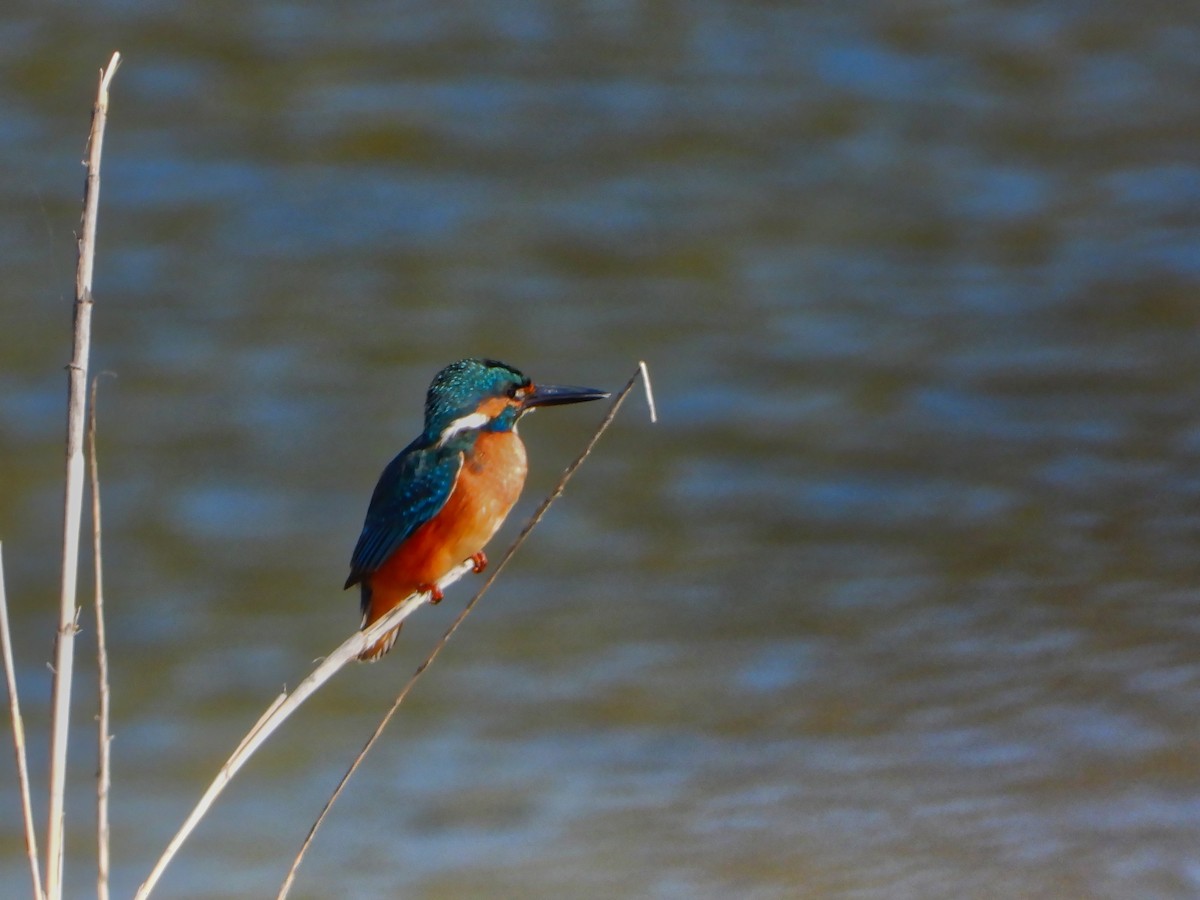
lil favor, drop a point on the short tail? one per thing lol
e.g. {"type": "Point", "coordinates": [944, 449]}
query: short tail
{"type": "Point", "coordinates": [381, 646]}
{"type": "Point", "coordinates": [384, 644]}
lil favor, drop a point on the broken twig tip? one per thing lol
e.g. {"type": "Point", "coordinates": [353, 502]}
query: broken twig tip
{"type": "Point", "coordinates": [110, 70]}
{"type": "Point", "coordinates": [649, 391]}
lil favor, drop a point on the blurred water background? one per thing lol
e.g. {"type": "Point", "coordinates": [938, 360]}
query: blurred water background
{"type": "Point", "coordinates": [898, 601]}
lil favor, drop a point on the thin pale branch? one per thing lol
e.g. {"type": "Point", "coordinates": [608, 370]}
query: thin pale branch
{"type": "Point", "coordinates": [18, 727]}
{"type": "Point", "coordinates": [281, 709]}
{"type": "Point", "coordinates": [64, 648]}
{"type": "Point", "coordinates": [103, 737]}
{"type": "Point", "coordinates": [641, 373]}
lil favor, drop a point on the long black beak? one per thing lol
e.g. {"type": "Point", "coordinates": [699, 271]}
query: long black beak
{"type": "Point", "coordinates": [559, 394]}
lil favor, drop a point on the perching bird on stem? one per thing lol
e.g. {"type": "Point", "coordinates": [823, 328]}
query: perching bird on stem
{"type": "Point", "coordinates": [444, 496]}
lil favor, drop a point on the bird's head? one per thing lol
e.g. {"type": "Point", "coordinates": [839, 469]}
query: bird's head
{"type": "Point", "coordinates": [475, 395]}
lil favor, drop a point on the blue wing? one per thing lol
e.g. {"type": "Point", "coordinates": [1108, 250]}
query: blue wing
{"type": "Point", "coordinates": [412, 489]}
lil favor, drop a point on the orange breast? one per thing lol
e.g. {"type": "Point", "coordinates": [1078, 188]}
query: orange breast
{"type": "Point", "coordinates": [488, 485]}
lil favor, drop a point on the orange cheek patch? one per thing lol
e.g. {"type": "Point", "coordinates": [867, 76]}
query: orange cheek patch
{"type": "Point", "coordinates": [494, 406]}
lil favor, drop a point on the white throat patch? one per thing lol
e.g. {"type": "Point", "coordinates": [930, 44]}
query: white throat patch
{"type": "Point", "coordinates": [461, 424]}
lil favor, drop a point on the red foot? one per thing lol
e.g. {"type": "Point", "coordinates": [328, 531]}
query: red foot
{"type": "Point", "coordinates": [434, 592]}
{"type": "Point", "coordinates": [480, 560]}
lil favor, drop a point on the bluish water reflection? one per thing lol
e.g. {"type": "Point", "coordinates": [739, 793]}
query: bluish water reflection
{"type": "Point", "coordinates": [897, 601]}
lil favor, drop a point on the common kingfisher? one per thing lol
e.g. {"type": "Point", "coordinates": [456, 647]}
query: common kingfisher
{"type": "Point", "coordinates": [443, 497]}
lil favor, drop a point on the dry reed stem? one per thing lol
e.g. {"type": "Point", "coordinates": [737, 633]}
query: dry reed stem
{"type": "Point", "coordinates": [569, 471]}
{"type": "Point", "coordinates": [18, 727]}
{"type": "Point", "coordinates": [64, 648]}
{"type": "Point", "coordinates": [282, 707]}
{"type": "Point", "coordinates": [104, 739]}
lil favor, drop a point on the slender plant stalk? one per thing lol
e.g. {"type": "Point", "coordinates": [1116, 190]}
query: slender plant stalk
{"type": "Point", "coordinates": [104, 738]}
{"type": "Point", "coordinates": [569, 471]}
{"type": "Point", "coordinates": [283, 706]}
{"type": "Point", "coordinates": [64, 647]}
{"type": "Point", "coordinates": [18, 727]}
